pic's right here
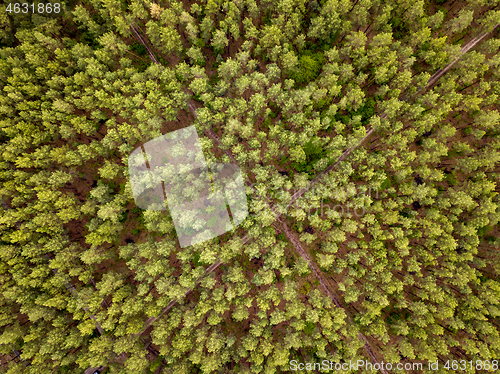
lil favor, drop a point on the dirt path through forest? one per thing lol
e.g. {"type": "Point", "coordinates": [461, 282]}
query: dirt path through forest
{"type": "Point", "coordinates": [466, 48]}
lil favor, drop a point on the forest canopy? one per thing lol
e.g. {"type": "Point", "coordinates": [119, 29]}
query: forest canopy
{"type": "Point", "coordinates": [368, 136]}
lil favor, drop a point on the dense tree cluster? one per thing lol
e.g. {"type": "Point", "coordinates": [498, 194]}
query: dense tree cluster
{"type": "Point", "coordinates": [368, 133]}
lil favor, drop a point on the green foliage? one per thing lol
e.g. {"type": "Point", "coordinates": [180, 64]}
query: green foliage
{"type": "Point", "coordinates": [309, 328]}
{"type": "Point", "coordinates": [387, 183]}
{"type": "Point", "coordinates": [313, 152]}
{"type": "Point", "coordinates": [138, 48]}
{"type": "Point", "coordinates": [400, 28]}
{"type": "Point", "coordinates": [305, 288]}
{"type": "Point", "coordinates": [482, 231]}
{"type": "Point", "coordinates": [309, 67]}
{"type": "Point", "coordinates": [366, 111]}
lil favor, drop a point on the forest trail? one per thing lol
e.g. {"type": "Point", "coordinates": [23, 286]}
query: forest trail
{"type": "Point", "coordinates": [466, 48]}
{"type": "Point", "coordinates": [141, 40]}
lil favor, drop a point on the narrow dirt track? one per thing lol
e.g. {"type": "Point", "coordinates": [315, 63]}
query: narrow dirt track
{"type": "Point", "coordinates": [466, 48]}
